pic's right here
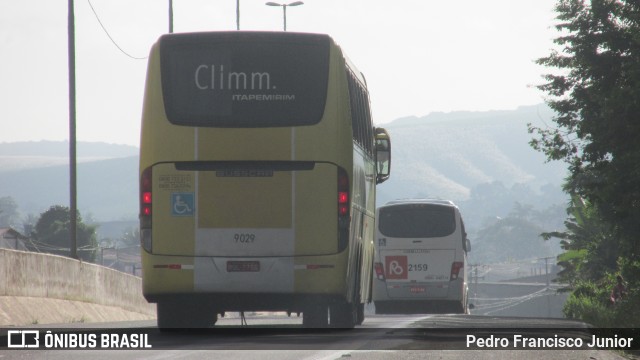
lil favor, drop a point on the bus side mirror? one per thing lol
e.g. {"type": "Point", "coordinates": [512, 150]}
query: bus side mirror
{"type": "Point", "coordinates": [467, 245]}
{"type": "Point", "coordinates": [383, 155]}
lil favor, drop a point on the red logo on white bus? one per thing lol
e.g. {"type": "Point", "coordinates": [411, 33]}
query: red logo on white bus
{"type": "Point", "coordinates": [396, 267]}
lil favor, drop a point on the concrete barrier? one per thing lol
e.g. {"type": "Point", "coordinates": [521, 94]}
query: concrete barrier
{"type": "Point", "coordinates": [36, 275]}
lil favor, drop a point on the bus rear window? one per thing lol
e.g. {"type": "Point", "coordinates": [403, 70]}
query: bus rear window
{"type": "Point", "coordinates": [417, 221]}
{"type": "Point", "coordinates": [244, 79]}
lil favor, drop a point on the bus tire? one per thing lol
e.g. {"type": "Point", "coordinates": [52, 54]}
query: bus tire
{"type": "Point", "coordinates": [360, 318]}
{"type": "Point", "coordinates": [315, 316]}
{"type": "Point", "coordinates": [343, 315]}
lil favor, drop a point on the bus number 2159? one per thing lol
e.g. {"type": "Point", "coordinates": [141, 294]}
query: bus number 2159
{"type": "Point", "coordinates": [417, 267]}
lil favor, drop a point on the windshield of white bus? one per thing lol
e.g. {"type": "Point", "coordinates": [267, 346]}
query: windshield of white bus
{"type": "Point", "coordinates": [417, 221]}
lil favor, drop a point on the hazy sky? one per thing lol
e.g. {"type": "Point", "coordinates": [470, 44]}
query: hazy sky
{"type": "Point", "coordinates": [419, 56]}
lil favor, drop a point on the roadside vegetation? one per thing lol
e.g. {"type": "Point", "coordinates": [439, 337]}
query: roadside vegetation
{"type": "Point", "coordinates": [595, 92]}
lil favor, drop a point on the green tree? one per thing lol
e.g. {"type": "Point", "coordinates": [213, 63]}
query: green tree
{"type": "Point", "coordinates": [588, 244]}
{"type": "Point", "coordinates": [52, 234]}
{"type": "Point", "coordinates": [596, 97]}
{"type": "Point", "coordinates": [597, 102]}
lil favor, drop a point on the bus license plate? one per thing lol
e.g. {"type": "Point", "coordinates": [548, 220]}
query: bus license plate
{"type": "Point", "coordinates": [418, 290]}
{"type": "Point", "coordinates": [243, 266]}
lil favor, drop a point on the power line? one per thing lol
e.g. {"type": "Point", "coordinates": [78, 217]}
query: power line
{"type": "Point", "coordinates": [109, 36]}
{"type": "Point", "coordinates": [500, 304]}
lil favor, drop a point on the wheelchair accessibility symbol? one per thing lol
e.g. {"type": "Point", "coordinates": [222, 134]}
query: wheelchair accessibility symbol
{"type": "Point", "coordinates": [182, 204]}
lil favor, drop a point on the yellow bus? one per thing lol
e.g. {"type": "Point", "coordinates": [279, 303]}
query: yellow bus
{"type": "Point", "coordinates": [258, 172]}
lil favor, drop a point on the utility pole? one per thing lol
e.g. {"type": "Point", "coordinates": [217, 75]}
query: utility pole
{"type": "Point", "coordinates": [72, 133]}
{"type": "Point", "coordinates": [237, 14]}
{"type": "Point", "coordinates": [170, 16]}
{"type": "Point", "coordinates": [546, 272]}
{"type": "Point", "coordinates": [475, 278]}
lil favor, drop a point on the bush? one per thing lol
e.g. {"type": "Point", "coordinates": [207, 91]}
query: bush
{"type": "Point", "coordinates": [627, 312]}
{"type": "Point", "coordinates": [589, 302]}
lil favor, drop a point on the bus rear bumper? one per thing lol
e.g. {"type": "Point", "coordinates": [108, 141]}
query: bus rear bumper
{"type": "Point", "coordinates": [420, 298]}
{"type": "Point", "coordinates": [419, 307]}
{"type": "Point", "coordinates": [229, 302]}
{"type": "Point", "coordinates": [250, 281]}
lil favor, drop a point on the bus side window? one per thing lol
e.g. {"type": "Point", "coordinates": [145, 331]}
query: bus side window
{"type": "Point", "coordinates": [355, 109]}
{"type": "Point", "coordinates": [360, 113]}
{"type": "Point", "coordinates": [368, 125]}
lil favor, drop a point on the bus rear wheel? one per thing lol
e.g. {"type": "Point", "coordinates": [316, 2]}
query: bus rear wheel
{"type": "Point", "coordinates": [315, 316]}
{"type": "Point", "coordinates": [343, 315]}
{"type": "Point", "coordinates": [360, 318]}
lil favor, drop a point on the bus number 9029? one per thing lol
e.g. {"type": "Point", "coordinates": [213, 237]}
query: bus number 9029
{"type": "Point", "coordinates": [244, 238]}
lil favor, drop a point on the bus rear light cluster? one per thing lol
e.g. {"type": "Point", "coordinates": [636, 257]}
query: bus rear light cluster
{"type": "Point", "coordinates": [344, 205]}
{"type": "Point", "coordinates": [146, 203]}
{"type": "Point", "coordinates": [146, 206]}
{"type": "Point", "coordinates": [343, 198]}
{"type": "Point", "coordinates": [145, 193]}
{"type": "Point", "coordinates": [455, 269]}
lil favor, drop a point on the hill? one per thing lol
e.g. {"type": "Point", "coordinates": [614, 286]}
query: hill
{"type": "Point", "coordinates": [468, 157]}
{"type": "Point", "coordinates": [447, 155]}
{"type": "Point", "coordinates": [107, 189]}
{"type": "Point", "coordinates": [36, 175]}
{"type": "Point", "coordinates": [61, 149]}
{"type": "Point", "coordinates": [37, 154]}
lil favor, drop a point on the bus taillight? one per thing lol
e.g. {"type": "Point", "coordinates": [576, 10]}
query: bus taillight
{"type": "Point", "coordinates": [146, 205]}
{"type": "Point", "coordinates": [455, 269]}
{"type": "Point", "coordinates": [343, 197]}
{"type": "Point", "coordinates": [344, 204]}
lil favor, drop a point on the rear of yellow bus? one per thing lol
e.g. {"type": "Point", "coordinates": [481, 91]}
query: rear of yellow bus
{"type": "Point", "coordinates": [245, 175]}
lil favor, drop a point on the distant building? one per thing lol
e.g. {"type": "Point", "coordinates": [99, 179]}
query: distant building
{"type": "Point", "coordinates": [12, 239]}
